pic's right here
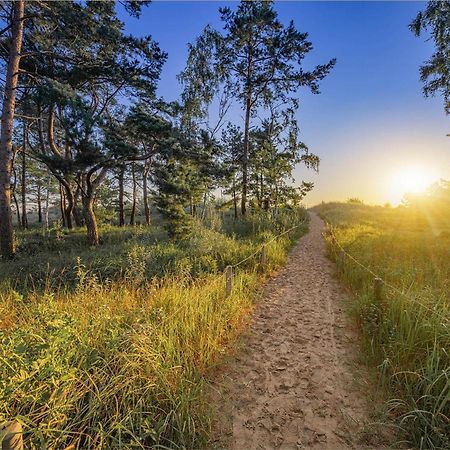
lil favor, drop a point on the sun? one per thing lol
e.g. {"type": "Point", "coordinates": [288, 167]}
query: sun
{"type": "Point", "coordinates": [414, 179]}
{"type": "Point", "coordinates": [411, 179]}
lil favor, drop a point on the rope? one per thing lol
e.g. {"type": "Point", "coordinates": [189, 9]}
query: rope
{"type": "Point", "coordinates": [259, 249]}
{"type": "Point", "coordinates": [220, 276]}
{"type": "Point", "coordinates": [367, 269]}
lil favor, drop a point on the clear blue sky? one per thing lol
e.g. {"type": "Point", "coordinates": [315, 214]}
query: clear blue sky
{"type": "Point", "coordinates": [370, 119]}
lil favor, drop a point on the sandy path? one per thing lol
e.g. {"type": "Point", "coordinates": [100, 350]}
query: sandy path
{"type": "Point", "coordinates": [292, 386]}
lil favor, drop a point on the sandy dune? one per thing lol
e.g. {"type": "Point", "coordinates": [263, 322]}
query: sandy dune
{"type": "Point", "coordinates": [292, 385]}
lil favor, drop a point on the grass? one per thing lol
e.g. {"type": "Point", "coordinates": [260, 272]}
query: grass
{"type": "Point", "coordinates": [406, 337]}
{"type": "Point", "coordinates": [117, 353]}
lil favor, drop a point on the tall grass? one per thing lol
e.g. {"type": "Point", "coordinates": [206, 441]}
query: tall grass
{"type": "Point", "coordinates": [104, 363]}
{"type": "Point", "coordinates": [407, 337]}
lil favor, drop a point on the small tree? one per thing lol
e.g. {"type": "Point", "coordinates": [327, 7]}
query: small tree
{"type": "Point", "coordinates": [275, 150]}
{"type": "Point", "coordinates": [185, 172]}
{"type": "Point", "coordinates": [231, 180]}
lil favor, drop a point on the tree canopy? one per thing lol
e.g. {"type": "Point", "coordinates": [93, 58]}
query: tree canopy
{"type": "Point", "coordinates": [255, 60]}
{"type": "Point", "coordinates": [435, 72]}
{"type": "Point", "coordinates": [88, 123]}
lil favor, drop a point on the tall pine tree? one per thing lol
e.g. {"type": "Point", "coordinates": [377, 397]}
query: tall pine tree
{"type": "Point", "coordinates": [256, 60]}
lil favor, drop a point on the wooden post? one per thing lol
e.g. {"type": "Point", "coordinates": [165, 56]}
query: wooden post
{"type": "Point", "coordinates": [377, 287]}
{"type": "Point", "coordinates": [263, 257]}
{"type": "Point", "coordinates": [229, 279]}
{"type": "Point", "coordinates": [11, 436]}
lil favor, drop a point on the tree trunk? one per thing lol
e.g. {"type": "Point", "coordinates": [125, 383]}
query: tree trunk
{"type": "Point", "coordinates": [205, 197]}
{"type": "Point", "coordinates": [14, 190]}
{"type": "Point", "coordinates": [69, 205]}
{"type": "Point", "coordinates": [62, 204]}
{"type": "Point", "coordinates": [258, 195]}
{"type": "Point", "coordinates": [133, 206]}
{"type": "Point", "coordinates": [261, 186]}
{"type": "Point", "coordinates": [19, 220]}
{"type": "Point", "coordinates": [88, 198]}
{"type": "Point", "coordinates": [6, 132]}
{"type": "Point", "coordinates": [91, 221]}
{"type": "Point", "coordinates": [76, 210]}
{"type": "Point", "coordinates": [39, 202]}
{"type": "Point", "coordinates": [145, 193]}
{"type": "Point", "coordinates": [23, 186]}
{"type": "Point", "coordinates": [121, 197]}
{"type": "Point", "coordinates": [276, 199]}
{"type": "Point", "coordinates": [47, 201]}
{"type": "Point", "coordinates": [245, 158]}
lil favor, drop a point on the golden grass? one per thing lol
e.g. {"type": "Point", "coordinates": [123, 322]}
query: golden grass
{"type": "Point", "coordinates": [125, 363]}
{"type": "Point", "coordinates": [407, 336]}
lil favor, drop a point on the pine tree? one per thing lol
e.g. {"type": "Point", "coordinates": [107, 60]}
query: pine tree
{"type": "Point", "coordinates": [231, 179]}
{"type": "Point", "coordinates": [275, 151]}
{"type": "Point", "coordinates": [257, 60]}
{"type": "Point", "coordinates": [77, 85]}
{"type": "Point", "coordinates": [6, 133]}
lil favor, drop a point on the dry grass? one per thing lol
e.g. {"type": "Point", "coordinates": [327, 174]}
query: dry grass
{"type": "Point", "coordinates": [407, 337]}
{"type": "Point", "coordinates": [123, 364]}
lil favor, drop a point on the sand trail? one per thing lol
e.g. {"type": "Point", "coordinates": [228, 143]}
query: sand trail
{"type": "Point", "coordinates": [292, 386]}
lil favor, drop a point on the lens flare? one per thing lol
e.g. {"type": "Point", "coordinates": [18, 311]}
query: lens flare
{"type": "Point", "coordinates": [411, 179]}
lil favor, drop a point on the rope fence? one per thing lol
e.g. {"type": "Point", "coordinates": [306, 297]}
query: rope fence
{"type": "Point", "coordinates": [261, 250]}
{"type": "Point", "coordinates": [228, 272]}
{"type": "Point", "coordinates": [378, 281]}
{"type": "Point", "coordinates": [11, 434]}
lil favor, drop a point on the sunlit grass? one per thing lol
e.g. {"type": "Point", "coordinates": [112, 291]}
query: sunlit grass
{"type": "Point", "coordinates": [407, 337]}
{"type": "Point", "coordinates": [125, 363]}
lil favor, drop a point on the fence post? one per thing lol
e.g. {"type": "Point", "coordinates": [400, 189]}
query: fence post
{"type": "Point", "coordinates": [377, 288]}
{"type": "Point", "coordinates": [229, 279]}
{"type": "Point", "coordinates": [263, 256]}
{"type": "Point", "coordinates": [11, 436]}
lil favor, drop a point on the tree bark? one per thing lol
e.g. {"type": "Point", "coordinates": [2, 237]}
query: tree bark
{"type": "Point", "coordinates": [88, 198]}
{"type": "Point", "coordinates": [248, 110]}
{"type": "Point", "coordinates": [7, 121]}
{"type": "Point", "coordinates": [91, 221]}
{"type": "Point", "coordinates": [69, 206]}
{"type": "Point", "coordinates": [47, 201]}
{"type": "Point", "coordinates": [261, 186]}
{"type": "Point", "coordinates": [62, 204]}
{"type": "Point", "coordinates": [121, 196]}
{"type": "Point", "coordinates": [76, 211]}
{"type": "Point", "coordinates": [245, 158]}
{"type": "Point", "coordinates": [23, 186]}
{"type": "Point", "coordinates": [39, 202]}
{"type": "Point", "coordinates": [133, 205]}
{"type": "Point", "coordinates": [205, 197]}
{"type": "Point", "coordinates": [145, 192]}
{"type": "Point", "coordinates": [19, 220]}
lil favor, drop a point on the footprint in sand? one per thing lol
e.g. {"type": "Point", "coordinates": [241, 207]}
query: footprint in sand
{"type": "Point", "coordinates": [300, 348]}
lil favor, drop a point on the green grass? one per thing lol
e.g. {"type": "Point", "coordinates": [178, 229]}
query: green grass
{"type": "Point", "coordinates": [118, 352]}
{"type": "Point", "coordinates": [406, 337]}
